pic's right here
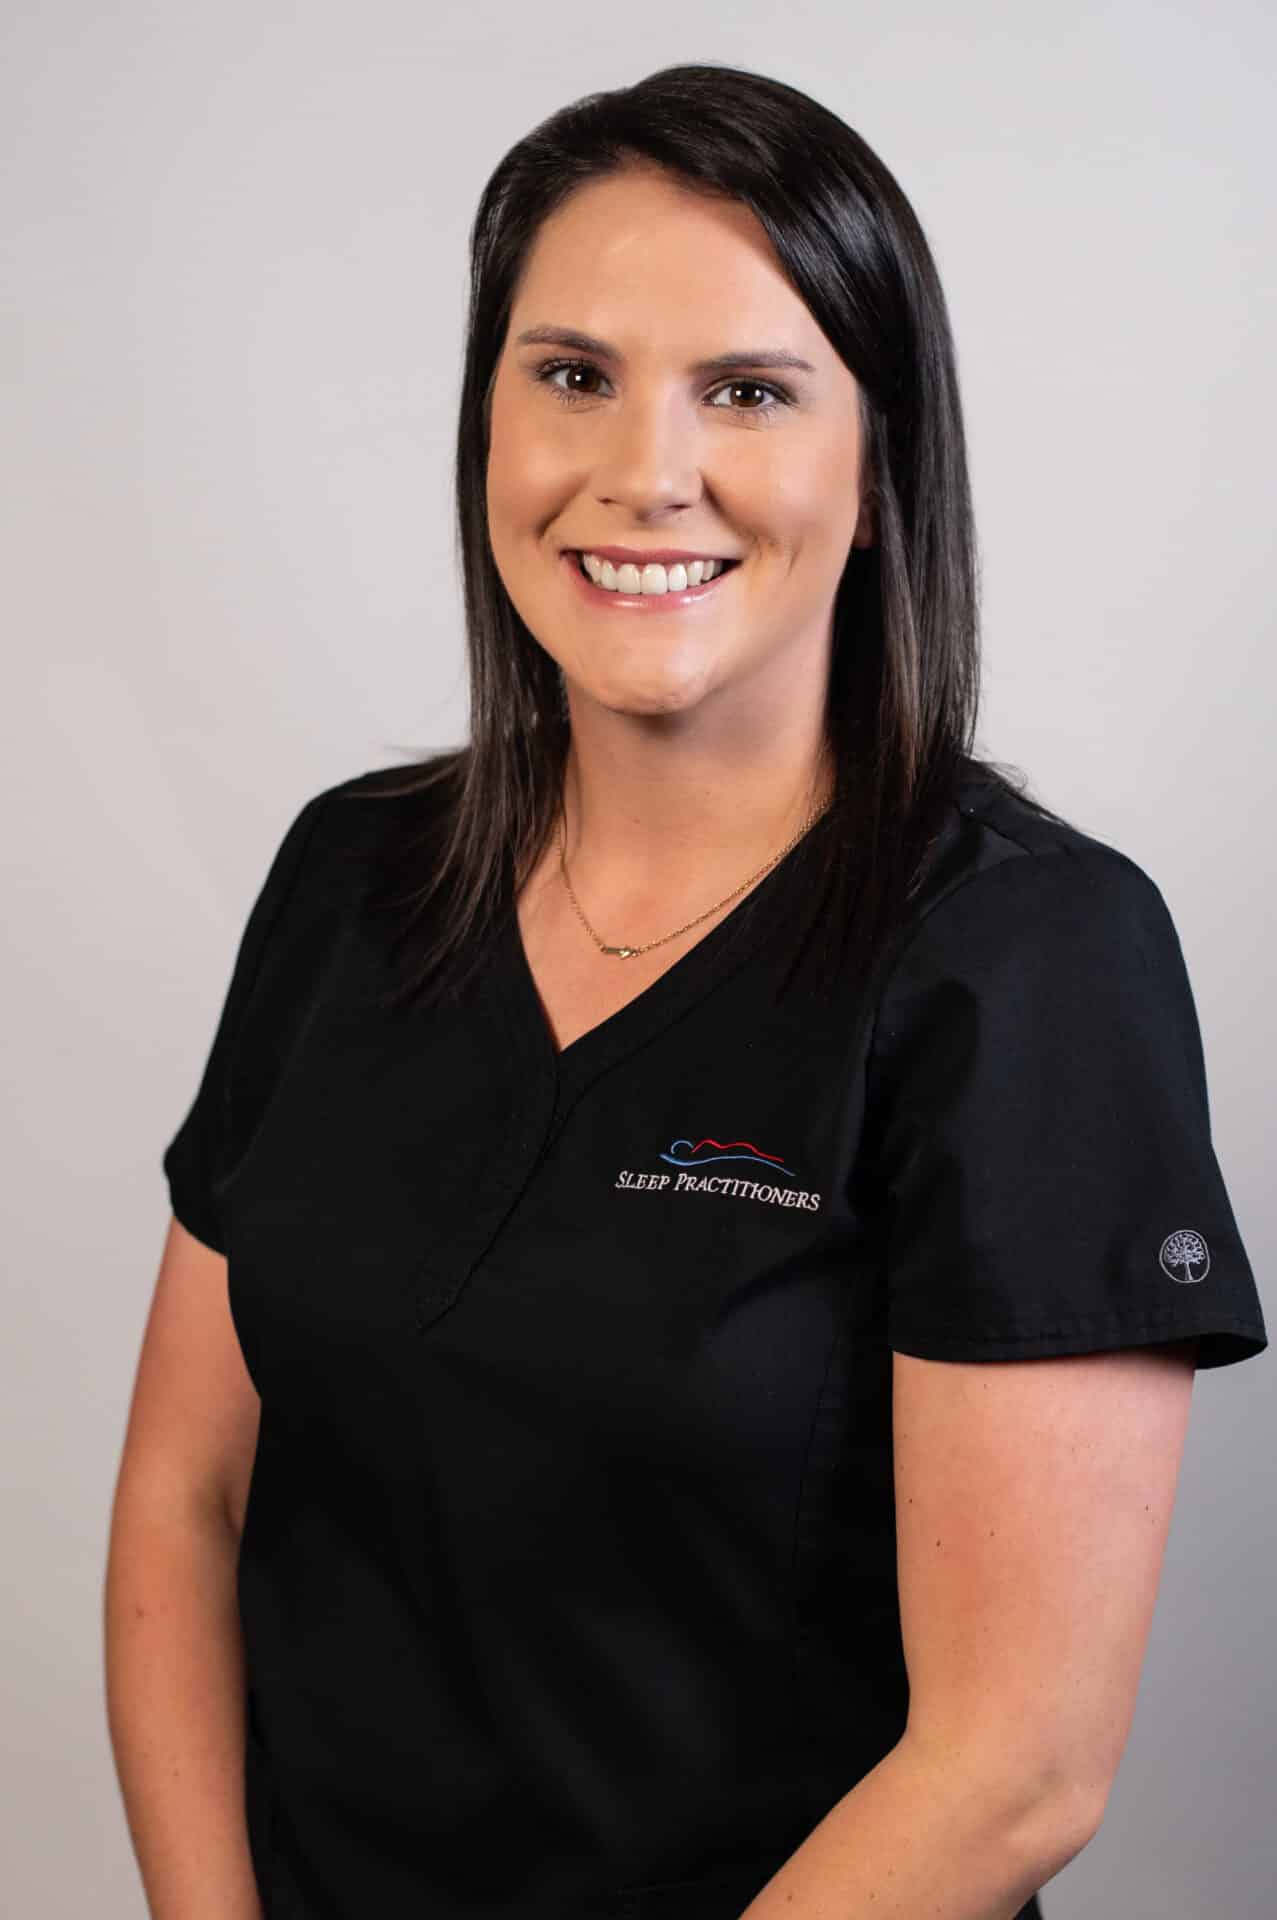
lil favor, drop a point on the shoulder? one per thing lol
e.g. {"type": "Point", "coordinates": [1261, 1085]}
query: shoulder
{"type": "Point", "coordinates": [357, 828]}
{"type": "Point", "coordinates": [351, 846]}
{"type": "Point", "coordinates": [1015, 894]}
{"type": "Point", "coordinates": [1038, 957]}
{"type": "Point", "coordinates": [1000, 853]}
{"type": "Point", "coordinates": [389, 799]}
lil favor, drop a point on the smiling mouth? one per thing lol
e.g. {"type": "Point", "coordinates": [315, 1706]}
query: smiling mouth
{"type": "Point", "coordinates": [632, 595]}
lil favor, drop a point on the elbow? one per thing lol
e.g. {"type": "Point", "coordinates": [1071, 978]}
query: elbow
{"type": "Point", "coordinates": [1050, 1810]}
{"type": "Point", "coordinates": [1061, 1817]}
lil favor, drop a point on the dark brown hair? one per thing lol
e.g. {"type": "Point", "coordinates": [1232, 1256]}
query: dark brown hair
{"type": "Point", "coordinates": [904, 681]}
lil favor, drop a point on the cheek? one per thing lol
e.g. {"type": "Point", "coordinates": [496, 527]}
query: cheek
{"type": "Point", "coordinates": [525, 481]}
{"type": "Point", "coordinates": [805, 504]}
{"type": "Point", "coordinates": [511, 456]}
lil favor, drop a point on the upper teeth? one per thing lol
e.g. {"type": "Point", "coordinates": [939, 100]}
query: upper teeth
{"type": "Point", "coordinates": [653, 578]}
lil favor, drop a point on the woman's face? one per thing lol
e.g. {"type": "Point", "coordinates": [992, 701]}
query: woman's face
{"type": "Point", "coordinates": [633, 446]}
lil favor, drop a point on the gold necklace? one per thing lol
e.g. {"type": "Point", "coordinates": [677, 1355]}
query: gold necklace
{"type": "Point", "coordinates": [627, 953]}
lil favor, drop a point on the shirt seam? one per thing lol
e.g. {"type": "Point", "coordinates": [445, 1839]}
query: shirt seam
{"type": "Point", "coordinates": [916, 926]}
{"type": "Point", "coordinates": [801, 1734]}
{"type": "Point", "coordinates": [220, 1178]}
{"type": "Point", "coordinates": [1161, 1316]}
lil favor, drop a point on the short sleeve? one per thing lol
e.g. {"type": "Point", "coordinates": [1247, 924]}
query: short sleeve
{"type": "Point", "coordinates": [194, 1159]}
{"type": "Point", "coordinates": [1039, 1126]}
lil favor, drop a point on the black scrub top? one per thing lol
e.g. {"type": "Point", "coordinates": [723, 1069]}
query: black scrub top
{"type": "Point", "coordinates": [568, 1572]}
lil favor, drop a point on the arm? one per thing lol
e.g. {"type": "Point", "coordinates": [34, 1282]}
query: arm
{"type": "Point", "coordinates": [1033, 1502]}
{"type": "Point", "coordinates": [174, 1654]}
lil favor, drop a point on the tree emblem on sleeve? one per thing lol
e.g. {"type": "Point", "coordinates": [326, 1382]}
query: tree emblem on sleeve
{"type": "Point", "coordinates": [1184, 1256]}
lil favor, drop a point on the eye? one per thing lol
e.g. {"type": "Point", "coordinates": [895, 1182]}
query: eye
{"type": "Point", "coordinates": [569, 394]}
{"type": "Point", "coordinates": [572, 396]}
{"type": "Point", "coordinates": [755, 386]}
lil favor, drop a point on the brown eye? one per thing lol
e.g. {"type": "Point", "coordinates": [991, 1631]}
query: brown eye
{"type": "Point", "coordinates": [574, 369]}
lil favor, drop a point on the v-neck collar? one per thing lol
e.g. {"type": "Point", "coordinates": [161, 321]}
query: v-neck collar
{"type": "Point", "coordinates": [714, 959]}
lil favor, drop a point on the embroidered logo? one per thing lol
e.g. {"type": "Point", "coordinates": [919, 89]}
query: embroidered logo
{"type": "Point", "coordinates": [692, 1157]}
{"type": "Point", "coordinates": [1184, 1249]}
{"type": "Point", "coordinates": [725, 1150]}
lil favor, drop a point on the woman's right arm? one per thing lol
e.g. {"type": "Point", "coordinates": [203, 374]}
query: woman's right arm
{"type": "Point", "coordinates": [173, 1646]}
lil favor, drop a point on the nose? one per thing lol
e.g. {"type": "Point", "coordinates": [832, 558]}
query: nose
{"type": "Point", "coordinates": [648, 456]}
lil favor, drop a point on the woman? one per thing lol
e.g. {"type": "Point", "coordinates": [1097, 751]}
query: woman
{"type": "Point", "coordinates": [669, 1369]}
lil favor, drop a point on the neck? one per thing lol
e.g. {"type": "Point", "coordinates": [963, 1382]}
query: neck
{"type": "Point", "coordinates": [655, 824]}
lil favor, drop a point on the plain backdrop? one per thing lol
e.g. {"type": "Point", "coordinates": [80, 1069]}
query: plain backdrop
{"type": "Point", "coordinates": [234, 264]}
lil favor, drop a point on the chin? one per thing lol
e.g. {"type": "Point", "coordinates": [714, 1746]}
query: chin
{"type": "Point", "coordinates": [642, 696]}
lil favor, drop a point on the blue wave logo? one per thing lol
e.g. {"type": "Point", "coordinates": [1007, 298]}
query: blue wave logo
{"type": "Point", "coordinates": [696, 1156]}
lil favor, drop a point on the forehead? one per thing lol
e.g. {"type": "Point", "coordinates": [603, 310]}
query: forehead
{"type": "Point", "coordinates": [639, 257]}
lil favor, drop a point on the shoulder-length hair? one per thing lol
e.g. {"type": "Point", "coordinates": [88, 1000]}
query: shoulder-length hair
{"type": "Point", "coordinates": [904, 680]}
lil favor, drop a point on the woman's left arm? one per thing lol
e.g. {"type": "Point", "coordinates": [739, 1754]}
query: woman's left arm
{"type": "Point", "coordinates": [1033, 1504]}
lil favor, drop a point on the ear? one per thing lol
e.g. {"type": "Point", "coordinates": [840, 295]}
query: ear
{"type": "Point", "coordinates": [866, 534]}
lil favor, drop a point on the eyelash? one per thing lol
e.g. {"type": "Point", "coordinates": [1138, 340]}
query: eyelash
{"type": "Point", "coordinates": [570, 399]}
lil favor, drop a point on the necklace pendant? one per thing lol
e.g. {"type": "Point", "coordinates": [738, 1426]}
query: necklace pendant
{"type": "Point", "coordinates": [622, 953]}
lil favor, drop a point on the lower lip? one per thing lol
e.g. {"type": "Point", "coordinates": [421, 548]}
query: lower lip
{"type": "Point", "coordinates": [644, 602]}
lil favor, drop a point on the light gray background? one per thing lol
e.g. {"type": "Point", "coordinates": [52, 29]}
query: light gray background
{"type": "Point", "coordinates": [235, 241]}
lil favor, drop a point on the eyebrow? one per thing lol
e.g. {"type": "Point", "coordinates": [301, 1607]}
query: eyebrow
{"type": "Point", "coordinates": [717, 363]}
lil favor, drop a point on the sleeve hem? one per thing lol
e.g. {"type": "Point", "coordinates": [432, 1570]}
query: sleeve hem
{"type": "Point", "coordinates": [1223, 1338]}
{"type": "Point", "coordinates": [200, 1226]}
{"type": "Point", "coordinates": [192, 1161]}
